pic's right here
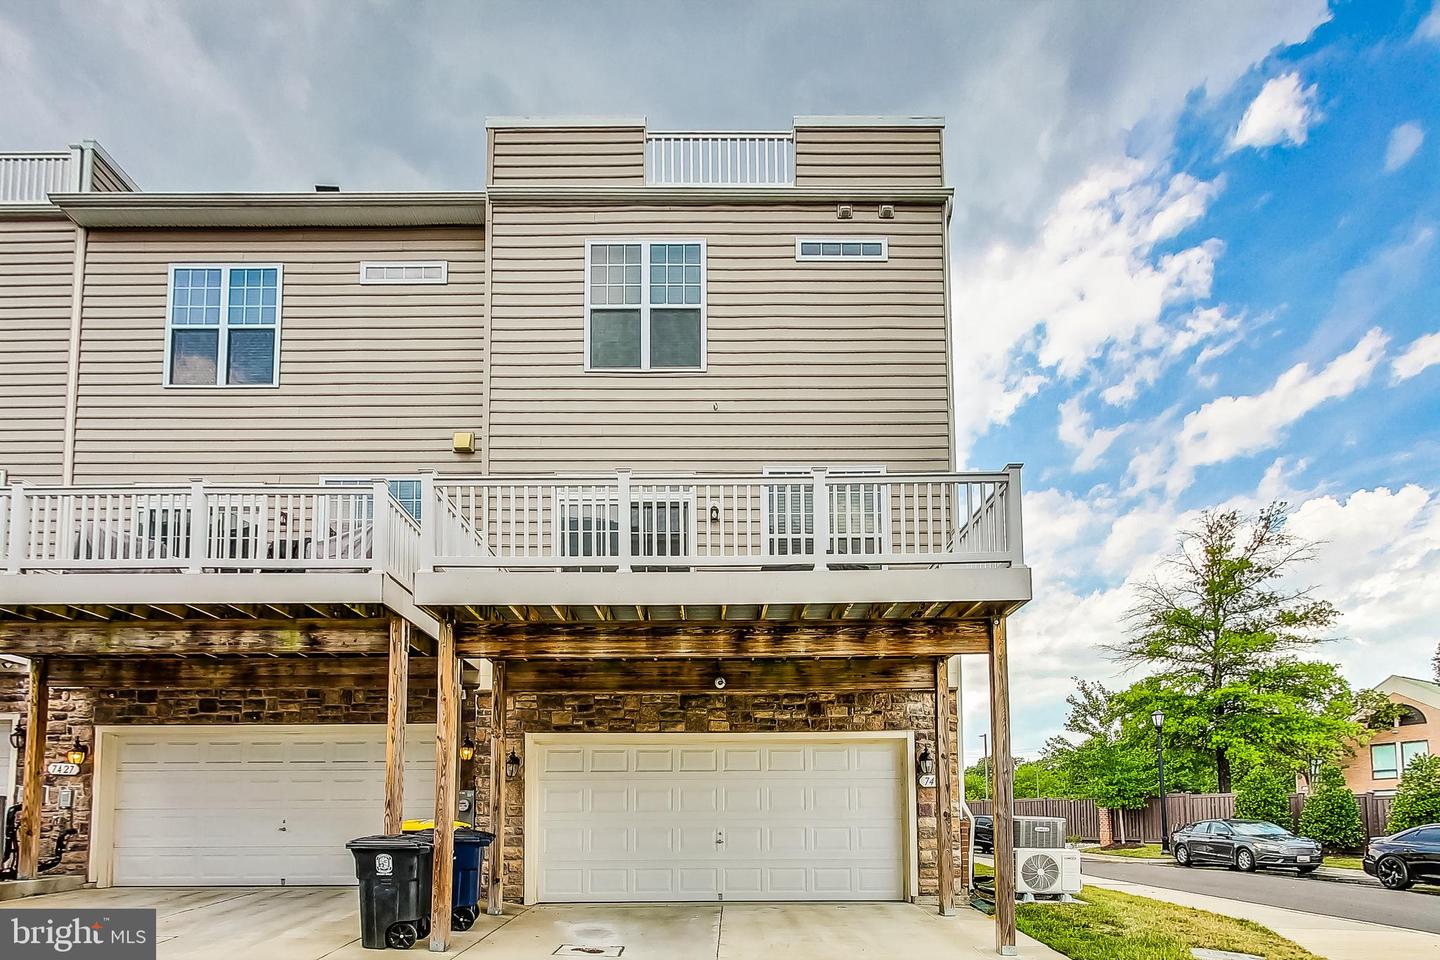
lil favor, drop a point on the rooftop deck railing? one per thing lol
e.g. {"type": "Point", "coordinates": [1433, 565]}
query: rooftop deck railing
{"type": "Point", "coordinates": [204, 527]}
{"type": "Point", "coordinates": [720, 159]}
{"type": "Point", "coordinates": [31, 177]}
{"type": "Point", "coordinates": [810, 519]}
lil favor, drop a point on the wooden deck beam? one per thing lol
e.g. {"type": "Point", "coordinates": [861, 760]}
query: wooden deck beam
{"type": "Point", "coordinates": [229, 671]}
{"type": "Point", "coordinates": [731, 639]}
{"type": "Point", "coordinates": [196, 636]}
{"type": "Point", "coordinates": [741, 676]}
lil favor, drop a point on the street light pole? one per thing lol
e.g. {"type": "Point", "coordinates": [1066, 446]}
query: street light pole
{"type": "Point", "coordinates": [1158, 718]}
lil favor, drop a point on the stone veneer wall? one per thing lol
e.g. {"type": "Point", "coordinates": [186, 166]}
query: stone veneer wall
{"type": "Point", "coordinates": [712, 713]}
{"type": "Point", "coordinates": [75, 713]}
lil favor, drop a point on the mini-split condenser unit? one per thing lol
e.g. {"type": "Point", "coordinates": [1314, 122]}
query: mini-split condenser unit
{"type": "Point", "coordinates": [1047, 871]}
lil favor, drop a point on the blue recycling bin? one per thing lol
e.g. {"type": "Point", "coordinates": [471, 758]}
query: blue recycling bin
{"type": "Point", "coordinates": [465, 879]}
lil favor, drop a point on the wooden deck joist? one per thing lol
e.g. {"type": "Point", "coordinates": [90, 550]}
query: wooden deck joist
{"type": "Point", "coordinates": [764, 639]}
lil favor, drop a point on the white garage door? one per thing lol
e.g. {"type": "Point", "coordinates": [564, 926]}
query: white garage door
{"type": "Point", "coordinates": [232, 805]}
{"type": "Point", "coordinates": [709, 818]}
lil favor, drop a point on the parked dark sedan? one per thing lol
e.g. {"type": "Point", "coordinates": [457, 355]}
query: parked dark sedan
{"type": "Point", "coordinates": [1243, 845]}
{"type": "Point", "coordinates": [985, 834]}
{"type": "Point", "coordinates": [1400, 860]}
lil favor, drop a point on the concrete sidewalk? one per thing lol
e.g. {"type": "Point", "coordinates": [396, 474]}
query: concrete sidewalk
{"type": "Point", "coordinates": [1329, 937]}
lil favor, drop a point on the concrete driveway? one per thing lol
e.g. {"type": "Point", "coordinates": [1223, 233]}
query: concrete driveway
{"type": "Point", "coordinates": [311, 923]}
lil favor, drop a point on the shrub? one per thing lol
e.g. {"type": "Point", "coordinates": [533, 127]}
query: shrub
{"type": "Point", "coordinates": [1263, 794]}
{"type": "Point", "coordinates": [1417, 801]}
{"type": "Point", "coordinates": [1331, 816]}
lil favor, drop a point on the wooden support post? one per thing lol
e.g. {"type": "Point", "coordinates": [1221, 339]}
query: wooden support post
{"type": "Point", "coordinates": [447, 776]}
{"type": "Point", "coordinates": [944, 818]}
{"type": "Point", "coordinates": [395, 714]}
{"type": "Point", "coordinates": [1004, 791]}
{"type": "Point", "coordinates": [32, 793]}
{"type": "Point", "coordinates": [495, 887]}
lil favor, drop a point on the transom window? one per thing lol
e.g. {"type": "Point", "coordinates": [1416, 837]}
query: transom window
{"type": "Point", "coordinates": [842, 248]}
{"type": "Point", "coordinates": [404, 271]}
{"type": "Point", "coordinates": [645, 305]}
{"type": "Point", "coordinates": [223, 327]}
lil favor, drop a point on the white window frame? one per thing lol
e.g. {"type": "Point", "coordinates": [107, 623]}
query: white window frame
{"type": "Point", "coordinates": [846, 471]}
{"type": "Point", "coordinates": [1393, 770]}
{"type": "Point", "coordinates": [222, 352]}
{"type": "Point", "coordinates": [364, 479]}
{"type": "Point", "coordinates": [860, 258]}
{"type": "Point", "coordinates": [444, 266]}
{"type": "Point", "coordinates": [645, 306]}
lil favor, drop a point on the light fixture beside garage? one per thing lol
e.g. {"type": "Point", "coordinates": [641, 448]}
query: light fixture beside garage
{"type": "Point", "coordinates": [925, 766]}
{"type": "Point", "coordinates": [467, 749]}
{"type": "Point", "coordinates": [512, 765]}
{"type": "Point", "coordinates": [17, 737]}
{"type": "Point", "coordinates": [78, 753]}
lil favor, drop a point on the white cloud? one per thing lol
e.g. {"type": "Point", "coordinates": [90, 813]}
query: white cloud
{"type": "Point", "coordinates": [1421, 354]}
{"type": "Point", "coordinates": [1405, 139]}
{"type": "Point", "coordinates": [1429, 28]}
{"type": "Point", "coordinates": [1076, 433]}
{"type": "Point", "coordinates": [1090, 280]}
{"type": "Point", "coordinates": [1233, 426]}
{"type": "Point", "coordinates": [1281, 113]}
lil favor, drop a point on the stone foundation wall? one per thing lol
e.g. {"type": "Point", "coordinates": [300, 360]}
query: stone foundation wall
{"type": "Point", "coordinates": [711, 713]}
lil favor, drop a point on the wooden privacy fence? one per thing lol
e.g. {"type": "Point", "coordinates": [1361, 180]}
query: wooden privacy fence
{"type": "Point", "coordinates": [1143, 825]}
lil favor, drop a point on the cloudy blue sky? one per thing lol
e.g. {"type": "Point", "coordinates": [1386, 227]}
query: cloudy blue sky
{"type": "Point", "coordinates": [1195, 250]}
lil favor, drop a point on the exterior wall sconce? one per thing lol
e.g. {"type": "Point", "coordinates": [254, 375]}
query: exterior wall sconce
{"type": "Point", "coordinates": [925, 764]}
{"type": "Point", "coordinates": [17, 737]}
{"type": "Point", "coordinates": [512, 765]}
{"type": "Point", "coordinates": [78, 753]}
{"type": "Point", "coordinates": [467, 749]}
{"type": "Point", "coordinates": [714, 513]}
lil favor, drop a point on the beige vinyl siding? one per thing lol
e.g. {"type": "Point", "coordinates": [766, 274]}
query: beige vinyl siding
{"type": "Point", "coordinates": [105, 180]}
{"type": "Point", "coordinates": [808, 362]}
{"type": "Point", "coordinates": [856, 156]}
{"type": "Point", "coordinates": [594, 156]}
{"type": "Point", "coordinates": [36, 266]}
{"type": "Point", "coordinates": [373, 378]}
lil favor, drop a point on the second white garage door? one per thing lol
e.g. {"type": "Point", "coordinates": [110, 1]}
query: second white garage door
{"type": "Point", "coordinates": [237, 805]}
{"type": "Point", "coordinates": [690, 817]}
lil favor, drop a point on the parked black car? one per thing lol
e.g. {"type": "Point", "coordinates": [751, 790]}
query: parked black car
{"type": "Point", "coordinates": [985, 834]}
{"type": "Point", "coordinates": [1400, 860]}
{"type": "Point", "coordinates": [1243, 845]}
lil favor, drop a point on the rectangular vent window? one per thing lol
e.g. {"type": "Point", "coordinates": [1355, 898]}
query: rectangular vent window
{"type": "Point", "coordinates": [842, 248]}
{"type": "Point", "coordinates": [413, 271]}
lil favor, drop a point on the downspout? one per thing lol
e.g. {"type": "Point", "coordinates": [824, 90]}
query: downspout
{"type": "Point", "coordinates": [72, 372]}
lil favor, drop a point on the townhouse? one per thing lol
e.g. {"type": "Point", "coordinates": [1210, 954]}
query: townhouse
{"type": "Point", "coordinates": [618, 496]}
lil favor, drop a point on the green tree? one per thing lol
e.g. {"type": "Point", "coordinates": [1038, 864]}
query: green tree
{"type": "Point", "coordinates": [1222, 627]}
{"type": "Point", "coordinates": [1042, 777]}
{"type": "Point", "coordinates": [1417, 801]}
{"type": "Point", "coordinates": [977, 783]}
{"type": "Point", "coordinates": [1106, 762]}
{"type": "Point", "coordinates": [1264, 794]}
{"type": "Point", "coordinates": [1331, 817]}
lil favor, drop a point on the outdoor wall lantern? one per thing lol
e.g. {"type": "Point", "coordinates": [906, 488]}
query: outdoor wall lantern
{"type": "Point", "coordinates": [467, 749]}
{"type": "Point", "coordinates": [714, 513]}
{"type": "Point", "coordinates": [17, 737]}
{"type": "Point", "coordinates": [512, 765]}
{"type": "Point", "coordinates": [925, 763]}
{"type": "Point", "coordinates": [78, 754]}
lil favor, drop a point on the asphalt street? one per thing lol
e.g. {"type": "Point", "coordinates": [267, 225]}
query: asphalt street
{"type": "Point", "coordinates": [1416, 909]}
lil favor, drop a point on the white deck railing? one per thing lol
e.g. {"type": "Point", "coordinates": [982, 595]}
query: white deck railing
{"type": "Point", "coordinates": [720, 159]}
{"type": "Point", "coordinates": [810, 519]}
{"type": "Point", "coordinates": [31, 177]}
{"type": "Point", "coordinates": [207, 527]}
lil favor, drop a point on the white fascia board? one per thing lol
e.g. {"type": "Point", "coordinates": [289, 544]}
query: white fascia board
{"type": "Point", "coordinates": [869, 121]}
{"type": "Point", "coordinates": [743, 587]}
{"type": "Point", "coordinates": [492, 123]}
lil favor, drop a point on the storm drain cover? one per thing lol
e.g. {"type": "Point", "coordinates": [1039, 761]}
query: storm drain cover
{"type": "Point", "coordinates": [585, 950]}
{"type": "Point", "coordinates": [1204, 953]}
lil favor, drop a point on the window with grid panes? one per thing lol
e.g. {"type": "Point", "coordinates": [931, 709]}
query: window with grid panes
{"type": "Point", "coordinates": [645, 305]}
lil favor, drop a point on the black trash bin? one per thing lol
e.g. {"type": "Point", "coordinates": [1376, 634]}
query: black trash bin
{"type": "Point", "coordinates": [394, 874]}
